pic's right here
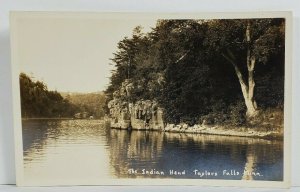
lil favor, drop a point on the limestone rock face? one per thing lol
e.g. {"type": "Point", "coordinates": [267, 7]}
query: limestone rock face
{"type": "Point", "coordinates": [142, 114]}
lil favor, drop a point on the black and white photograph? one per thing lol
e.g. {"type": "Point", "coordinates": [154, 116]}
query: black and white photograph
{"type": "Point", "coordinates": [133, 98]}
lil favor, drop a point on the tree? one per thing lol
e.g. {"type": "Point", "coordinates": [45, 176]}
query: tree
{"type": "Point", "coordinates": [244, 44]}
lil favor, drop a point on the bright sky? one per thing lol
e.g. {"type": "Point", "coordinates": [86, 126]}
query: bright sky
{"type": "Point", "coordinates": [71, 54]}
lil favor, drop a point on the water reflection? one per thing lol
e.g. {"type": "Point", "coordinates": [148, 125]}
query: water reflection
{"type": "Point", "coordinates": [65, 150]}
{"type": "Point", "coordinates": [137, 150]}
{"type": "Point", "coordinates": [250, 164]}
{"type": "Point", "coordinates": [86, 149]}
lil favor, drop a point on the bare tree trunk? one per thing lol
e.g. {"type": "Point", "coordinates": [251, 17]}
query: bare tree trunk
{"type": "Point", "coordinates": [249, 99]}
{"type": "Point", "coordinates": [247, 90]}
{"type": "Point", "coordinates": [247, 87]}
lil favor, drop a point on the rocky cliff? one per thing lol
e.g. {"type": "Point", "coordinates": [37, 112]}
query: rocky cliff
{"type": "Point", "coordinates": [140, 114]}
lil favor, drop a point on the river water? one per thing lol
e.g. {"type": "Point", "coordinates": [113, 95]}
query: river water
{"type": "Point", "coordinates": [59, 150]}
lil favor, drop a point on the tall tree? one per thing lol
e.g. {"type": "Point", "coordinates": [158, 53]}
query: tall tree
{"type": "Point", "coordinates": [244, 44]}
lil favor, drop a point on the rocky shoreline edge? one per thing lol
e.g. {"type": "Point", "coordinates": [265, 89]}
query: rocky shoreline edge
{"type": "Point", "coordinates": [217, 130]}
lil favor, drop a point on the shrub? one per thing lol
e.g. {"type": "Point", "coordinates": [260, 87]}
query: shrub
{"type": "Point", "coordinates": [213, 118]}
{"type": "Point", "coordinates": [188, 120]}
{"type": "Point", "coordinates": [237, 113]}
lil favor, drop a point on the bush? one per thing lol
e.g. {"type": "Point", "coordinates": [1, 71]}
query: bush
{"type": "Point", "coordinates": [269, 119]}
{"type": "Point", "coordinates": [188, 120]}
{"type": "Point", "coordinates": [213, 118]}
{"type": "Point", "coordinates": [237, 113]}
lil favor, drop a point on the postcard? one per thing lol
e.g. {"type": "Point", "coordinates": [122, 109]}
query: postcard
{"type": "Point", "coordinates": [152, 98]}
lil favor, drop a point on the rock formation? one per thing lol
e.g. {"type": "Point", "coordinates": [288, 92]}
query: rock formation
{"type": "Point", "coordinates": [141, 114]}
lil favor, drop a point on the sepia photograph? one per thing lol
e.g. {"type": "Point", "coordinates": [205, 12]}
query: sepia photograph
{"type": "Point", "coordinates": [151, 99]}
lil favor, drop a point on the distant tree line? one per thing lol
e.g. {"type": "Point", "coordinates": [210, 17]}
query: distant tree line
{"type": "Point", "coordinates": [92, 103]}
{"type": "Point", "coordinates": [221, 70]}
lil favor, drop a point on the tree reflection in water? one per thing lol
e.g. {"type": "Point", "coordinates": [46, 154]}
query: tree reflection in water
{"type": "Point", "coordinates": [180, 151]}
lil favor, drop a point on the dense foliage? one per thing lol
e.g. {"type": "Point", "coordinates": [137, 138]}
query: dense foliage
{"type": "Point", "coordinates": [190, 67]}
{"type": "Point", "coordinates": [38, 101]}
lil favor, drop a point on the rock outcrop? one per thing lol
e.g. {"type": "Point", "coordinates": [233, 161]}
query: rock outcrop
{"type": "Point", "coordinates": [141, 114]}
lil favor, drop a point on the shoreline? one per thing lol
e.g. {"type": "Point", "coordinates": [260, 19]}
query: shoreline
{"type": "Point", "coordinates": [226, 131]}
{"type": "Point", "coordinates": [215, 130]}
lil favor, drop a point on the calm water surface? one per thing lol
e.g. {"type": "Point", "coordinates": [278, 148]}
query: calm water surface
{"type": "Point", "coordinates": [76, 149]}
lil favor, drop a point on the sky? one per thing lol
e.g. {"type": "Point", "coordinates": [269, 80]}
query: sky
{"type": "Point", "coordinates": [72, 54]}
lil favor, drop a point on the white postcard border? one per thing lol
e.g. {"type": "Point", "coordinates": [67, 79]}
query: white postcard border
{"type": "Point", "coordinates": [16, 15]}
